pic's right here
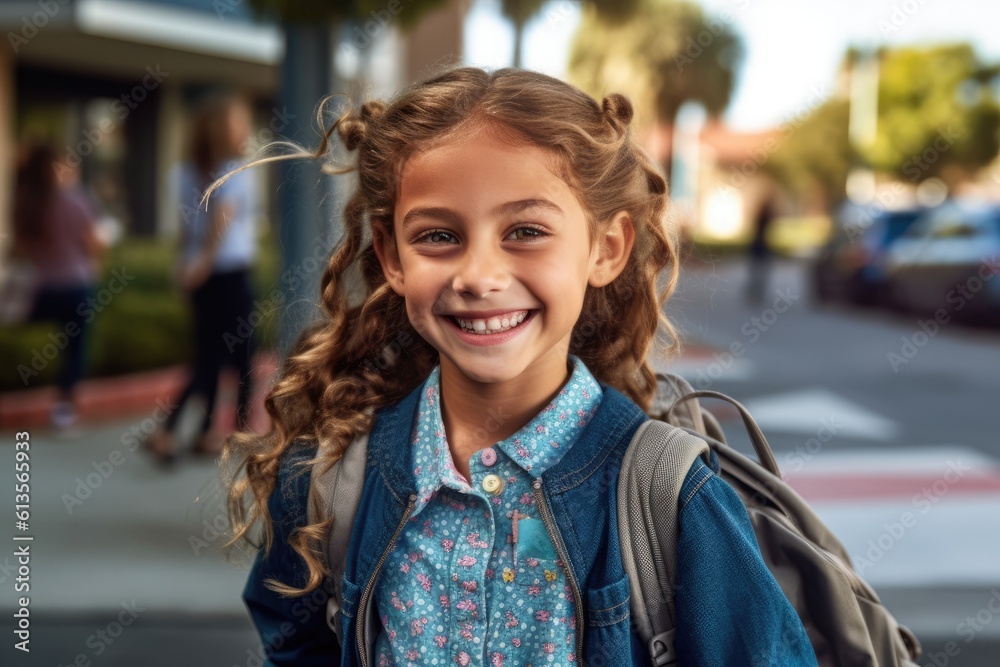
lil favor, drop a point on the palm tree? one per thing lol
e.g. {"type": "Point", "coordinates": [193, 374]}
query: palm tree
{"type": "Point", "coordinates": [665, 54]}
{"type": "Point", "coordinates": [521, 11]}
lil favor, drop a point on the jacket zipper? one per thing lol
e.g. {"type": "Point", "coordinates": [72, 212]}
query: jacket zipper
{"type": "Point", "coordinates": [362, 649]}
{"type": "Point", "coordinates": [553, 530]}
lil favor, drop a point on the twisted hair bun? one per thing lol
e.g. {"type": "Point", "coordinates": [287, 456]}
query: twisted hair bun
{"type": "Point", "coordinates": [355, 126]}
{"type": "Point", "coordinates": [618, 111]}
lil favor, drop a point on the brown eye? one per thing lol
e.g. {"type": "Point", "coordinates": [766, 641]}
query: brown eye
{"type": "Point", "coordinates": [535, 232]}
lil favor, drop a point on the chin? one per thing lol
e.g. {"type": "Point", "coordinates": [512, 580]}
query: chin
{"type": "Point", "coordinates": [487, 370]}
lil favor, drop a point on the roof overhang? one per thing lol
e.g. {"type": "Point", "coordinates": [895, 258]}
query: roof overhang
{"type": "Point", "coordinates": [122, 38]}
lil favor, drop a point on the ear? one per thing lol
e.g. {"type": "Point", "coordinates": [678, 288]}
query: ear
{"type": "Point", "coordinates": [385, 248]}
{"type": "Point", "coordinates": [612, 248]}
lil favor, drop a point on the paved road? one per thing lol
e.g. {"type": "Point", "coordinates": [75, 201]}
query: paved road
{"type": "Point", "coordinates": [138, 546]}
{"type": "Point", "coordinates": [875, 419]}
{"type": "Point", "coordinates": [938, 391]}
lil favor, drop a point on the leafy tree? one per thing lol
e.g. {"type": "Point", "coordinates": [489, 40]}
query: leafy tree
{"type": "Point", "coordinates": [813, 154]}
{"type": "Point", "coordinates": [936, 116]}
{"type": "Point", "coordinates": [666, 53]}
{"type": "Point", "coordinates": [936, 113]}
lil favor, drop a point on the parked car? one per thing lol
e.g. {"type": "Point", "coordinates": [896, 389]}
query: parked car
{"type": "Point", "coordinates": [851, 267]}
{"type": "Point", "coordinates": [949, 259]}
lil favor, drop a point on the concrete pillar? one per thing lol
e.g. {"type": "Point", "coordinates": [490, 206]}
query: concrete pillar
{"type": "Point", "coordinates": [308, 212]}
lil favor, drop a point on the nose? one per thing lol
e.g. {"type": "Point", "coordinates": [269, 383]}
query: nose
{"type": "Point", "coordinates": [479, 271]}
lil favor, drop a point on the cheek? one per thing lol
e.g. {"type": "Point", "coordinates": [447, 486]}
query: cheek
{"type": "Point", "coordinates": [418, 316]}
{"type": "Point", "coordinates": [420, 297]}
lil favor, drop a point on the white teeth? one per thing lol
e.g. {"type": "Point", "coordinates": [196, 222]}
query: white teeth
{"type": "Point", "coordinates": [494, 324]}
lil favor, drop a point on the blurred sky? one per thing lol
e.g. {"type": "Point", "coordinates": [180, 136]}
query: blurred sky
{"type": "Point", "coordinates": [793, 47]}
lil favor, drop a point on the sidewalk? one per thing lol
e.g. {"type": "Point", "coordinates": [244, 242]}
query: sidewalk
{"type": "Point", "coordinates": [119, 541]}
{"type": "Point", "coordinates": [115, 534]}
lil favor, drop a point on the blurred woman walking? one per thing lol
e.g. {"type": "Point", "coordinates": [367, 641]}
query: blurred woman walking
{"type": "Point", "coordinates": [55, 229]}
{"type": "Point", "coordinates": [218, 248]}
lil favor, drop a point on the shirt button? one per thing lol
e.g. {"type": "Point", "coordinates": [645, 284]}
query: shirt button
{"type": "Point", "coordinates": [492, 484]}
{"type": "Point", "coordinates": [488, 456]}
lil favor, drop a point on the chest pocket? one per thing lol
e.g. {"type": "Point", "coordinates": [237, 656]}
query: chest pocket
{"type": "Point", "coordinates": [538, 566]}
{"type": "Point", "coordinates": [608, 616]}
{"type": "Point", "coordinates": [351, 593]}
{"type": "Point", "coordinates": [533, 541]}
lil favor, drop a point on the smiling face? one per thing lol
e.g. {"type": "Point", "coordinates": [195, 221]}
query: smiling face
{"type": "Point", "coordinates": [484, 229]}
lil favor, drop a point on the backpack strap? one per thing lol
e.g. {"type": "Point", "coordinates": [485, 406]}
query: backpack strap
{"type": "Point", "coordinates": [688, 413]}
{"type": "Point", "coordinates": [652, 473]}
{"type": "Point", "coordinates": [337, 490]}
{"type": "Point", "coordinates": [653, 470]}
{"type": "Point", "coordinates": [760, 446]}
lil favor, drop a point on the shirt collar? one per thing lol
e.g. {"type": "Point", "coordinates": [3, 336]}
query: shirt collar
{"type": "Point", "coordinates": [535, 447]}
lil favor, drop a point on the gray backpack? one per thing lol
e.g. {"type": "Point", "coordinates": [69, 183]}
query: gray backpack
{"type": "Point", "coordinates": [339, 487]}
{"type": "Point", "coordinates": [843, 616]}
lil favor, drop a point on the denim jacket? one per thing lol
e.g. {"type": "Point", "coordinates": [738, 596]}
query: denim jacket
{"type": "Point", "coordinates": [730, 610]}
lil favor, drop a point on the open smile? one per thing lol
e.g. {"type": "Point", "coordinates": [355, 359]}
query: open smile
{"type": "Point", "coordinates": [494, 330]}
{"type": "Point", "coordinates": [491, 325]}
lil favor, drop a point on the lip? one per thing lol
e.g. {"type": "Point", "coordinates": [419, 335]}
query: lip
{"type": "Point", "coordinates": [483, 340]}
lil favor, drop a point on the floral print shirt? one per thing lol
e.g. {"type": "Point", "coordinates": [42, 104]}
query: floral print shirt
{"type": "Point", "coordinates": [474, 578]}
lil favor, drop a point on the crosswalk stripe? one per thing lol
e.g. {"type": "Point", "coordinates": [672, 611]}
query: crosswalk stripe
{"type": "Point", "coordinates": [952, 542]}
{"type": "Point", "coordinates": [911, 516]}
{"type": "Point", "coordinates": [908, 472]}
{"type": "Point", "coordinates": [807, 411]}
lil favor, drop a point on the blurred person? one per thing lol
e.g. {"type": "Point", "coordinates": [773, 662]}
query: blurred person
{"type": "Point", "coordinates": [218, 249]}
{"type": "Point", "coordinates": [55, 228]}
{"type": "Point", "coordinates": [760, 255]}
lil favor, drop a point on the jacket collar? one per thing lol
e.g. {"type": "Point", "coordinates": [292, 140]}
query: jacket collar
{"type": "Point", "coordinates": [607, 435]}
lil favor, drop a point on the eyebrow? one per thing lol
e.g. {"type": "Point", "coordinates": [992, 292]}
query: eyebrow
{"type": "Point", "coordinates": [515, 207]}
{"type": "Point", "coordinates": [510, 208]}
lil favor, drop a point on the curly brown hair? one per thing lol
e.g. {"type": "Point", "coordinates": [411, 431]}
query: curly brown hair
{"type": "Point", "coordinates": [348, 365]}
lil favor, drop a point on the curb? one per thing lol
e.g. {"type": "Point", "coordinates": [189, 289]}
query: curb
{"type": "Point", "coordinates": [108, 398]}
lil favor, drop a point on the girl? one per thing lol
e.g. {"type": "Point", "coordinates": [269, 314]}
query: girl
{"type": "Point", "coordinates": [509, 233]}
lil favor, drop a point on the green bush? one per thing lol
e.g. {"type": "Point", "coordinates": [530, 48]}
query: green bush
{"type": "Point", "coordinates": [145, 326]}
{"type": "Point", "coordinates": [17, 346]}
{"type": "Point", "coordinates": [139, 331]}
